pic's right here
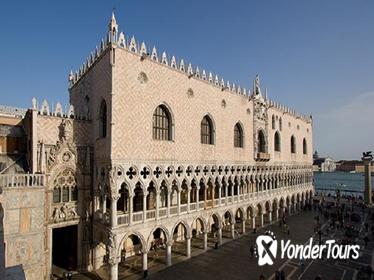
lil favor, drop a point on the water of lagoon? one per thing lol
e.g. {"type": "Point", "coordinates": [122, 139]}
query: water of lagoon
{"type": "Point", "coordinates": [340, 180]}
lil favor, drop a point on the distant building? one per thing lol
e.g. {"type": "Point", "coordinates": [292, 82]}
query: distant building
{"type": "Point", "coordinates": [351, 166]}
{"type": "Point", "coordinates": [326, 164]}
{"type": "Point", "coordinates": [12, 140]}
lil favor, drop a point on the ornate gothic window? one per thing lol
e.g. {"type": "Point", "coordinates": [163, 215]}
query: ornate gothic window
{"type": "Point", "coordinates": [207, 133]}
{"type": "Point", "coordinates": [305, 147]}
{"type": "Point", "coordinates": [65, 187]}
{"type": "Point", "coordinates": [102, 120]}
{"type": "Point", "coordinates": [65, 194]}
{"type": "Point", "coordinates": [238, 136]}
{"type": "Point", "coordinates": [162, 124]}
{"type": "Point", "coordinates": [123, 201]}
{"type": "Point", "coordinates": [293, 145]}
{"type": "Point", "coordinates": [56, 195]}
{"type": "Point", "coordinates": [277, 142]}
{"type": "Point", "coordinates": [280, 124]}
{"type": "Point", "coordinates": [272, 122]}
{"type": "Point", "coordinates": [261, 142]}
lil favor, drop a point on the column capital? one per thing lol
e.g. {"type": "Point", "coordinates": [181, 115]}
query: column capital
{"type": "Point", "coordinates": [114, 196]}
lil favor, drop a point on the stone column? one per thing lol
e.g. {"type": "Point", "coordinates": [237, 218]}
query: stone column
{"type": "Point", "coordinates": [131, 202]}
{"type": "Point", "coordinates": [188, 247]}
{"type": "Point", "coordinates": [113, 211]}
{"type": "Point", "coordinates": [262, 220]}
{"type": "Point", "coordinates": [168, 204]}
{"type": "Point", "coordinates": [157, 204]}
{"type": "Point", "coordinates": [188, 200]}
{"type": "Point", "coordinates": [367, 158]}
{"type": "Point", "coordinates": [114, 271]}
{"type": "Point", "coordinates": [243, 226]}
{"type": "Point", "coordinates": [205, 241]}
{"type": "Point", "coordinates": [219, 195]}
{"type": "Point", "coordinates": [144, 207]}
{"type": "Point", "coordinates": [145, 261]}
{"type": "Point", "coordinates": [104, 204]}
{"type": "Point", "coordinates": [220, 236]}
{"type": "Point", "coordinates": [179, 202]}
{"type": "Point", "coordinates": [168, 254]}
{"type": "Point", "coordinates": [197, 198]}
{"type": "Point", "coordinates": [213, 194]}
{"type": "Point", "coordinates": [270, 216]}
{"type": "Point", "coordinates": [233, 231]}
{"type": "Point", "coordinates": [277, 214]}
{"type": "Point", "coordinates": [226, 193]}
{"type": "Point", "coordinates": [253, 222]}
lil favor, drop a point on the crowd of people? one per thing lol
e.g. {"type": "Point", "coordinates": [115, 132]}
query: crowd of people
{"type": "Point", "coordinates": [345, 216]}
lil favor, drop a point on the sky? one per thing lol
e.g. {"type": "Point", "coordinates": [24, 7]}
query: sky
{"type": "Point", "coordinates": [314, 56]}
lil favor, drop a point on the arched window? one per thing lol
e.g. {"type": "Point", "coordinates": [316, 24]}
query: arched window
{"type": "Point", "coordinates": [293, 145]}
{"type": "Point", "coordinates": [305, 147]}
{"type": "Point", "coordinates": [277, 142]}
{"type": "Point", "coordinates": [272, 122]}
{"type": "Point", "coordinates": [280, 124]}
{"type": "Point", "coordinates": [65, 187]}
{"type": "Point", "coordinates": [65, 194]}
{"type": "Point", "coordinates": [238, 136]}
{"type": "Point", "coordinates": [261, 142]}
{"type": "Point", "coordinates": [207, 132]}
{"type": "Point", "coordinates": [162, 124]}
{"type": "Point", "coordinates": [123, 201]}
{"type": "Point", "coordinates": [56, 195]}
{"type": "Point", "coordinates": [103, 119]}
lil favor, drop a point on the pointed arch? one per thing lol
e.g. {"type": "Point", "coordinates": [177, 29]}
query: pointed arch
{"type": "Point", "coordinates": [207, 130]}
{"type": "Point", "coordinates": [261, 141]}
{"type": "Point", "coordinates": [293, 145]}
{"type": "Point", "coordinates": [238, 135]}
{"type": "Point", "coordinates": [305, 147]}
{"type": "Point", "coordinates": [162, 123]}
{"type": "Point", "coordinates": [277, 142]}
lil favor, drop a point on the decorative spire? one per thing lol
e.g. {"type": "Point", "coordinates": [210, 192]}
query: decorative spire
{"type": "Point", "coordinates": [256, 86]}
{"type": "Point", "coordinates": [113, 26]}
{"type": "Point", "coordinates": [71, 77]}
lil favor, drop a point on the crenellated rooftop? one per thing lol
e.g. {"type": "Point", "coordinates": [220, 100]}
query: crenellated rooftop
{"type": "Point", "coordinates": [118, 39]}
{"type": "Point", "coordinates": [57, 110]}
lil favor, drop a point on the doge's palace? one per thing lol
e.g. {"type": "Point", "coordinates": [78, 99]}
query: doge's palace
{"type": "Point", "coordinates": [153, 158]}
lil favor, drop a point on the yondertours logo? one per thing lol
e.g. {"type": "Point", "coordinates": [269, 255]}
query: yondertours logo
{"type": "Point", "coordinates": [267, 247]}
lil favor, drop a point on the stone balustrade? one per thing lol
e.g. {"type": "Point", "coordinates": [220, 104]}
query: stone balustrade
{"type": "Point", "coordinates": [22, 180]}
{"type": "Point", "coordinates": [137, 217]}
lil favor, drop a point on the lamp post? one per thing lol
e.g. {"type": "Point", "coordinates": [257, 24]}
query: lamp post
{"type": "Point", "coordinates": [367, 158]}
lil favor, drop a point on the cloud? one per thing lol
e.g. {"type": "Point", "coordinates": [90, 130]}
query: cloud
{"type": "Point", "coordinates": [346, 130]}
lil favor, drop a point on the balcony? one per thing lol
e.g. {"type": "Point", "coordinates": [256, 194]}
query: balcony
{"type": "Point", "coordinates": [263, 157]}
{"type": "Point", "coordinates": [187, 208]}
{"type": "Point", "coordinates": [21, 180]}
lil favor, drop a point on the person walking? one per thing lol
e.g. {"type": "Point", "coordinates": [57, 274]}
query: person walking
{"type": "Point", "coordinates": [302, 266]}
{"type": "Point", "coordinates": [252, 251]}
